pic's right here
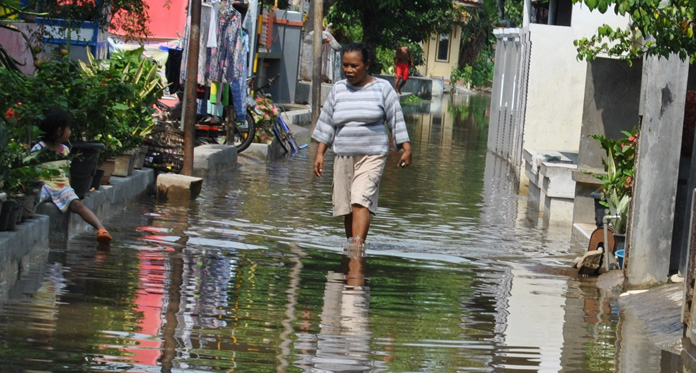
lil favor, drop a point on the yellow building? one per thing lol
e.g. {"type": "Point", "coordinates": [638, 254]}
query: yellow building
{"type": "Point", "coordinates": [441, 52]}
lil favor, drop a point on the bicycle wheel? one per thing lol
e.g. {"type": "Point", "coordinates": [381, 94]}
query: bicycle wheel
{"type": "Point", "coordinates": [241, 135]}
{"type": "Point", "coordinates": [291, 139]}
{"type": "Point", "coordinates": [282, 136]}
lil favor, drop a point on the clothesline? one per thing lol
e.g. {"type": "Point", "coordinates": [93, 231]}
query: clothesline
{"type": "Point", "coordinates": [223, 57]}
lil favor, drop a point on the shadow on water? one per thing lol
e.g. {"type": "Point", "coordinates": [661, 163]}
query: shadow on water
{"type": "Point", "coordinates": [254, 276]}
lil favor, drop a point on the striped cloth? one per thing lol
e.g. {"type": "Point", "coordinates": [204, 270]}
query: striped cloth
{"type": "Point", "coordinates": [352, 121]}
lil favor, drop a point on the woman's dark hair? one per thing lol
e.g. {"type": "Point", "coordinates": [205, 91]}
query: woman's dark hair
{"type": "Point", "coordinates": [358, 47]}
{"type": "Point", "coordinates": [54, 119]}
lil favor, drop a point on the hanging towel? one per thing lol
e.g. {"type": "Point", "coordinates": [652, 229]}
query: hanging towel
{"type": "Point", "coordinates": [214, 88]}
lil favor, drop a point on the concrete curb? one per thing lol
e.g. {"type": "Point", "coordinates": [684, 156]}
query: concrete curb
{"type": "Point", "coordinates": [50, 227]}
{"type": "Point", "coordinates": [105, 202]}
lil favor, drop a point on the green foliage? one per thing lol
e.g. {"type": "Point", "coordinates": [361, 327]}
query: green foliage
{"type": "Point", "coordinates": [385, 57]}
{"type": "Point", "coordinates": [109, 102]}
{"type": "Point", "coordinates": [384, 22]}
{"type": "Point", "coordinates": [461, 74]}
{"type": "Point", "coordinates": [483, 69]}
{"type": "Point", "coordinates": [657, 28]}
{"type": "Point", "coordinates": [617, 181]}
{"type": "Point", "coordinates": [134, 86]}
{"type": "Point", "coordinates": [476, 48]}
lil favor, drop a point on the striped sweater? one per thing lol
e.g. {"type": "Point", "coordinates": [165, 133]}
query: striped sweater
{"type": "Point", "coordinates": [352, 121]}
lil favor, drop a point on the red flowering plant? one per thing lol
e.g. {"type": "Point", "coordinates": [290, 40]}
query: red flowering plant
{"type": "Point", "coordinates": [265, 113]}
{"type": "Point", "coordinates": [18, 132]}
{"type": "Point", "coordinates": [617, 181]}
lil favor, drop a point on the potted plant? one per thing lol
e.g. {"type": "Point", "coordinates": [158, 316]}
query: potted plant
{"type": "Point", "coordinates": [617, 180]}
{"type": "Point", "coordinates": [264, 114]}
{"type": "Point", "coordinates": [136, 88]}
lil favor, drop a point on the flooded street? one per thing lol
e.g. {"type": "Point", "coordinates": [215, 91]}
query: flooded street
{"type": "Point", "coordinates": [252, 277]}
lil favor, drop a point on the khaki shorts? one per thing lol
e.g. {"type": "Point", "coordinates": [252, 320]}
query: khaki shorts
{"type": "Point", "coordinates": [356, 182]}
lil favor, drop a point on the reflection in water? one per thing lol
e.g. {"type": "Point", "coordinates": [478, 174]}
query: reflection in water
{"type": "Point", "coordinates": [253, 277]}
{"type": "Point", "coordinates": [343, 343]}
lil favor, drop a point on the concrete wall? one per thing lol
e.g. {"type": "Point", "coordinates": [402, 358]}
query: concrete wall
{"type": "Point", "coordinates": [611, 99]}
{"type": "Point", "coordinates": [539, 85]}
{"type": "Point", "coordinates": [651, 217]}
{"type": "Point", "coordinates": [424, 88]}
{"type": "Point", "coordinates": [586, 22]}
{"type": "Point", "coordinates": [555, 90]}
{"type": "Point", "coordinates": [507, 108]}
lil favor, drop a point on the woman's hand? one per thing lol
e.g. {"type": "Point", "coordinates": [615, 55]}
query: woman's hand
{"type": "Point", "coordinates": [319, 159]}
{"type": "Point", "coordinates": [405, 159]}
{"type": "Point", "coordinates": [318, 164]}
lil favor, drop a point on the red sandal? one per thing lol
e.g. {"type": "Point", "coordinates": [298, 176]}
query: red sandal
{"type": "Point", "coordinates": [103, 236]}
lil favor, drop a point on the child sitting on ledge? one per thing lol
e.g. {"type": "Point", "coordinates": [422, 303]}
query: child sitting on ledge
{"type": "Point", "coordinates": [56, 128]}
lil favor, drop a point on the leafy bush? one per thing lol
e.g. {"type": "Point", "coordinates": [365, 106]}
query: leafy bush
{"type": "Point", "coordinates": [617, 181]}
{"type": "Point", "coordinates": [459, 74]}
{"type": "Point", "coordinates": [109, 102]}
{"type": "Point", "coordinates": [133, 86]}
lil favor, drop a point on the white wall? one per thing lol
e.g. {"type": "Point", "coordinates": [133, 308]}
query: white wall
{"type": "Point", "coordinates": [557, 80]}
{"type": "Point", "coordinates": [555, 92]}
{"type": "Point", "coordinates": [586, 23]}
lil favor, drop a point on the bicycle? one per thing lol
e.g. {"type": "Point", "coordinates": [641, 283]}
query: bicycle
{"type": "Point", "coordinates": [212, 130]}
{"type": "Point", "coordinates": [280, 129]}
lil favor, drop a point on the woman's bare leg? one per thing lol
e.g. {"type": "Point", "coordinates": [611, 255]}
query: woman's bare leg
{"type": "Point", "coordinates": [360, 223]}
{"type": "Point", "coordinates": [348, 223]}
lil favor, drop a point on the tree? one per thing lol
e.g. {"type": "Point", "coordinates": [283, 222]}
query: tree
{"type": "Point", "coordinates": [385, 22]}
{"type": "Point", "coordinates": [476, 48]}
{"type": "Point", "coordinates": [658, 28]}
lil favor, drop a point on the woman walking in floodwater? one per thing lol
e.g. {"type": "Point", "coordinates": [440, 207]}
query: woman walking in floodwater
{"type": "Point", "coordinates": [352, 123]}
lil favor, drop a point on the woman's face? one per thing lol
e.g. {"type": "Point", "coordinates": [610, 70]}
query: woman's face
{"type": "Point", "coordinates": [355, 69]}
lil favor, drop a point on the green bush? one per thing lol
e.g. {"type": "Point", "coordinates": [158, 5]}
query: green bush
{"type": "Point", "coordinates": [109, 102]}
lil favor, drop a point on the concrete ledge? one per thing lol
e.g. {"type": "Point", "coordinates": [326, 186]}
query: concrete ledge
{"type": "Point", "coordinates": [257, 152]}
{"type": "Point", "coordinates": [422, 87]}
{"type": "Point", "coordinates": [178, 187]}
{"type": "Point", "coordinates": [556, 178]}
{"type": "Point", "coordinates": [297, 117]}
{"type": "Point", "coordinates": [18, 249]}
{"type": "Point", "coordinates": [303, 92]}
{"type": "Point", "coordinates": [582, 232]}
{"type": "Point", "coordinates": [214, 160]}
{"type": "Point", "coordinates": [105, 202]}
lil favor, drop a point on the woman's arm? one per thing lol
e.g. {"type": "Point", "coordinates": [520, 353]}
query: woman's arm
{"type": "Point", "coordinates": [319, 159]}
{"type": "Point", "coordinates": [405, 159]}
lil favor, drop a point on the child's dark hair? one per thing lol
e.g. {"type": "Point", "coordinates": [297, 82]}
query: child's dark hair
{"type": "Point", "coordinates": [54, 120]}
{"type": "Point", "coordinates": [358, 47]}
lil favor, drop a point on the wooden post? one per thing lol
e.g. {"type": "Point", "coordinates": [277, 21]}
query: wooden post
{"type": "Point", "coordinates": [316, 67]}
{"type": "Point", "coordinates": [690, 281]}
{"type": "Point", "coordinates": [194, 40]}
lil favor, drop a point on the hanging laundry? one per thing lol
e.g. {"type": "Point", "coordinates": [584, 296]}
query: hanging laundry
{"type": "Point", "coordinates": [203, 52]}
{"type": "Point", "coordinates": [229, 41]}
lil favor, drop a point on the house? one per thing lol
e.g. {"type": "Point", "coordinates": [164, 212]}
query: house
{"type": "Point", "coordinates": [545, 101]}
{"type": "Point", "coordinates": [441, 51]}
{"type": "Point", "coordinates": [545, 104]}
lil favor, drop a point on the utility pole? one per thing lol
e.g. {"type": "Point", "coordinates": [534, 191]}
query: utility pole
{"type": "Point", "coordinates": [194, 40]}
{"type": "Point", "coordinates": [316, 66]}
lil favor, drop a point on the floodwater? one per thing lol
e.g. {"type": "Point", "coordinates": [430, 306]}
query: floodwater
{"type": "Point", "coordinates": [252, 276]}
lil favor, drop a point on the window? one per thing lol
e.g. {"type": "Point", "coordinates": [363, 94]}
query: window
{"type": "Point", "coordinates": [443, 47]}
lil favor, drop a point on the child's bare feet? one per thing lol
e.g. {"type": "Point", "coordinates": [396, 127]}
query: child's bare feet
{"type": "Point", "coordinates": [103, 236]}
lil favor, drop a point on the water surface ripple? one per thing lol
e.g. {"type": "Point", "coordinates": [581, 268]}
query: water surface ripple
{"type": "Point", "coordinates": [254, 276]}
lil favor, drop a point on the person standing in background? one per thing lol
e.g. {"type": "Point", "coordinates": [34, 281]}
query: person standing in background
{"type": "Point", "coordinates": [403, 60]}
